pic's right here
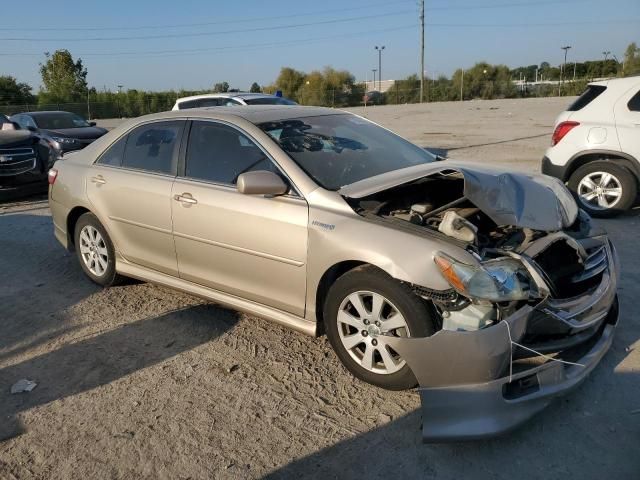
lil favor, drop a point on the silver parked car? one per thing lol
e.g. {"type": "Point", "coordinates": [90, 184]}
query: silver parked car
{"type": "Point", "coordinates": [490, 290]}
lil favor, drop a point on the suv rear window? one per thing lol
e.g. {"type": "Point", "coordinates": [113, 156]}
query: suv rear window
{"type": "Point", "coordinates": [587, 97]}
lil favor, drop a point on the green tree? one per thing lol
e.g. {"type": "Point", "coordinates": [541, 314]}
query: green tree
{"type": "Point", "coordinates": [255, 88]}
{"type": "Point", "coordinates": [14, 93]}
{"type": "Point", "coordinates": [64, 79]}
{"type": "Point", "coordinates": [631, 60]}
{"type": "Point", "coordinates": [221, 87]}
{"type": "Point", "coordinates": [289, 81]}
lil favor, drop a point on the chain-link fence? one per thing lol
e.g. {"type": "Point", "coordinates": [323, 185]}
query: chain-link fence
{"type": "Point", "coordinates": [434, 91]}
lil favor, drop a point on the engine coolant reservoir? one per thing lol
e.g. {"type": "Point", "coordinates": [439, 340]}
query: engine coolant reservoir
{"type": "Point", "coordinates": [473, 317]}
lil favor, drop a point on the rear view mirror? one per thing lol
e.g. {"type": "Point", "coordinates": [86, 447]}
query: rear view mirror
{"type": "Point", "coordinates": [261, 182]}
{"type": "Point", "coordinates": [92, 124]}
{"type": "Point", "coordinates": [31, 129]}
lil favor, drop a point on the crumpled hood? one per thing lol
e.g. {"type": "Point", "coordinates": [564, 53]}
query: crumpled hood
{"type": "Point", "coordinates": [520, 199]}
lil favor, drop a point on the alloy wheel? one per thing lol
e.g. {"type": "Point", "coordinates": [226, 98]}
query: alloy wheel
{"type": "Point", "coordinates": [93, 250]}
{"type": "Point", "coordinates": [600, 190]}
{"type": "Point", "coordinates": [365, 320]}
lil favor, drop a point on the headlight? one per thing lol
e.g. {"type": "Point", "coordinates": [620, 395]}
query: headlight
{"type": "Point", "coordinates": [63, 140]}
{"type": "Point", "coordinates": [498, 280]}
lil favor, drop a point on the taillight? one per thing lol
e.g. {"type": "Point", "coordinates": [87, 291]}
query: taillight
{"type": "Point", "coordinates": [52, 175]}
{"type": "Point", "coordinates": [561, 130]}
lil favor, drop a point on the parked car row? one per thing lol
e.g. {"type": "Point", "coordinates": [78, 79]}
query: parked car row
{"type": "Point", "coordinates": [31, 142]}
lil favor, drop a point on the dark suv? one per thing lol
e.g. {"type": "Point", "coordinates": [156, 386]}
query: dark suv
{"type": "Point", "coordinates": [25, 159]}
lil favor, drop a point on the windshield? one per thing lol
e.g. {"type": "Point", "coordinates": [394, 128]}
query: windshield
{"type": "Point", "coordinates": [58, 120]}
{"type": "Point", "coordinates": [269, 101]}
{"type": "Point", "coordinates": [337, 150]}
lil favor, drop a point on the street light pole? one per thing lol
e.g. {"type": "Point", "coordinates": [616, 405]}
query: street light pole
{"type": "Point", "coordinates": [374, 70]}
{"type": "Point", "coordinates": [564, 67]}
{"type": "Point", "coordinates": [379, 66]}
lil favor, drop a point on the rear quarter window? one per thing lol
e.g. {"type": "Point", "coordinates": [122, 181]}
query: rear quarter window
{"type": "Point", "coordinates": [589, 95]}
{"type": "Point", "coordinates": [634, 103]}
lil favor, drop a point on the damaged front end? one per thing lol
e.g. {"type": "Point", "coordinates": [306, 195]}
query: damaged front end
{"type": "Point", "coordinates": [527, 322]}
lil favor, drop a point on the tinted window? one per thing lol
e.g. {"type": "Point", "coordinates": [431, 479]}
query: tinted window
{"type": "Point", "coordinates": [199, 103]}
{"type": "Point", "coordinates": [229, 102]}
{"type": "Point", "coordinates": [634, 103]}
{"type": "Point", "coordinates": [153, 147]}
{"type": "Point", "coordinates": [218, 153]}
{"type": "Point", "coordinates": [57, 120]}
{"type": "Point", "coordinates": [24, 121]}
{"type": "Point", "coordinates": [269, 101]}
{"type": "Point", "coordinates": [586, 98]}
{"type": "Point", "coordinates": [114, 154]}
{"type": "Point", "coordinates": [336, 150]}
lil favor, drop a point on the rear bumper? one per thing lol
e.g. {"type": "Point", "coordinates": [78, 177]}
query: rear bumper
{"type": "Point", "coordinates": [479, 384]}
{"type": "Point", "coordinates": [553, 170]}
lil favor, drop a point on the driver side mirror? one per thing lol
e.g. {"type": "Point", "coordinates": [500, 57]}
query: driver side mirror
{"type": "Point", "coordinates": [92, 124]}
{"type": "Point", "coordinates": [261, 182]}
{"type": "Point", "coordinates": [32, 129]}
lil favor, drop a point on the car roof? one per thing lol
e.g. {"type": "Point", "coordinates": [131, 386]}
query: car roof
{"type": "Point", "coordinates": [241, 95]}
{"type": "Point", "coordinates": [252, 113]}
{"type": "Point", "coordinates": [41, 113]}
{"type": "Point", "coordinates": [619, 83]}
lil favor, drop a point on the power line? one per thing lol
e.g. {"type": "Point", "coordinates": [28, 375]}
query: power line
{"type": "Point", "coordinates": [294, 15]}
{"type": "Point", "coordinates": [188, 51]}
{"type": "Point", "coordinates": [206, 34]}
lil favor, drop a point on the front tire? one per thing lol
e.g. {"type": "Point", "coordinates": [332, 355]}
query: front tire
{"type": "Point", "coordinates": [95, 251]}
{"type": "Point", "coordinates": [361, 307]}
{"type": "Point", "coordinates": [604, 189]}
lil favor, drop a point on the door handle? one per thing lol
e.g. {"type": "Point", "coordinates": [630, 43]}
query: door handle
{"type": "Point", "coordinates": [185, 198]}
{"type": "Point", "coordinates": [98, 180]}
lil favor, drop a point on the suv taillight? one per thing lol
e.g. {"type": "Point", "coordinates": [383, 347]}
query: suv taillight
{"type": "Point", "coordinates": [561, 130]}
{"type": "Point", "coordinates": [52, 175]}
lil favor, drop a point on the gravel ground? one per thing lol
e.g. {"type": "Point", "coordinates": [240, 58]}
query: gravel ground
{"type": "Point", "coordinates": [139, 381]}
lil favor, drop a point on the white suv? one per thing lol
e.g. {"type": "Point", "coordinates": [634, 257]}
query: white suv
{"type": "Point", "coordinates": [595, 146]}
{"type": "Point", "coordinates": [230, 99]}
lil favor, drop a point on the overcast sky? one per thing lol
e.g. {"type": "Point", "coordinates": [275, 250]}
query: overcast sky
{"type": "Point", "coordinates": [196, 43]}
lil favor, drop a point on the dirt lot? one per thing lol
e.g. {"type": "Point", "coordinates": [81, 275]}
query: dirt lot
{"type": "Point", "coordinates": [142, 382]}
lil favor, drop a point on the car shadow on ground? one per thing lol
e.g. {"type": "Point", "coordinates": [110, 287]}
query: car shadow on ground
{"type": "Point", "coordinates": [39, 281]}
{"type": "Point", "coordinates": [573, 438]}
{"type": "Point", "coordinates": [103, 358]}
{"type": "Point", "coordinates": [590, 433]}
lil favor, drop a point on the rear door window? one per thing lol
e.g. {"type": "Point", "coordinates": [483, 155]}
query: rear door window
{"type": "Point", "coordinates": [589, 95]}
{"type": "Point", "coordinates": [154, 147]}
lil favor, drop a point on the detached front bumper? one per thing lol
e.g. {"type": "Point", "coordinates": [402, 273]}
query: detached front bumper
{"type": "Point", "coordinates": [480, 384]}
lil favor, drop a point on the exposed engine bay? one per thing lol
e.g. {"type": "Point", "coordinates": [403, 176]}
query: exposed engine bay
{"type": "Point", "coordinates": [519, 264]}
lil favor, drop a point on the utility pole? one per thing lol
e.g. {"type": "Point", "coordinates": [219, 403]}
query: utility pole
{"type": "Point", "coordinates": [462, 86]}
{"type": "Point", "coordinates": [379, 67]}
{"type": "Point", "coordinates": [421, 51]}
{"type": "Point", "coordinates": [374, 70]}
{"type": "Point", "coordinates": [564, 67]}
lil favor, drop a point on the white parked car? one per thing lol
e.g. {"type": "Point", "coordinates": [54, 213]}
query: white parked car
{"type": "Point", "coordinates": [230, 99]}
{"type": "Point", "coordinates": [595, 146]}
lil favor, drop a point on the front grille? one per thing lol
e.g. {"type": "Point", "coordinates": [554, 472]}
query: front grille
{"type": "Point", "coordinates": [14, 161]}
{"type": "Point", "coordinates": [567, 273]}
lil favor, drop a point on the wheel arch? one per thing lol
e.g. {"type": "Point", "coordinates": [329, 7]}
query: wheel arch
{"type": "Point", "coordinates": [619, 158]}
{"type": "Point", "coordinates": [326, 280]}
{"type": "Point", "coordinates": [72, 219]}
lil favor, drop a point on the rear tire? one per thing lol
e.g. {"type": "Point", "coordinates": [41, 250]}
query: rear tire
{"type": "Point", "coordinates": [368, 300]}
{"type": "Point", "coordinates": [604, 189]}
{"type": "Point", "coordinates": [95, 251]}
